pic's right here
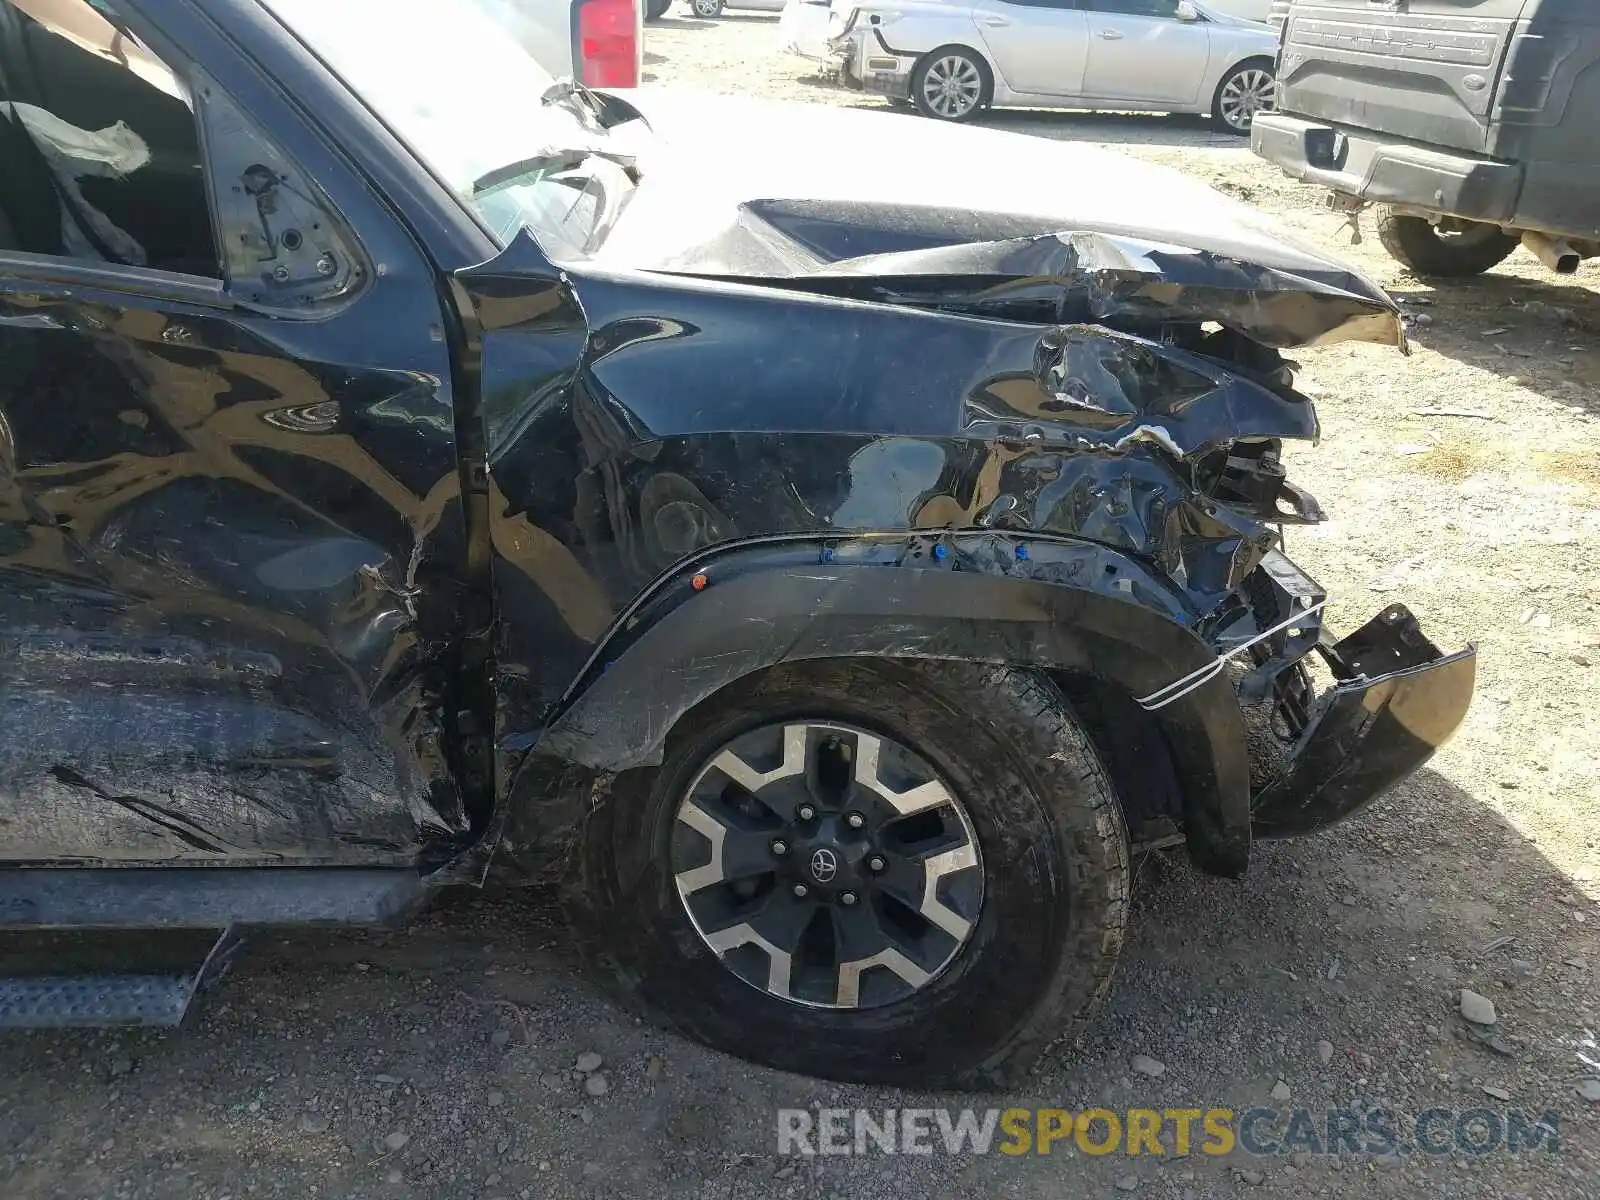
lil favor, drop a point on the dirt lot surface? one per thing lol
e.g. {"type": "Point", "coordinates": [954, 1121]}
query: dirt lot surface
{"type": "Point", "coordinates": [439, 1062]}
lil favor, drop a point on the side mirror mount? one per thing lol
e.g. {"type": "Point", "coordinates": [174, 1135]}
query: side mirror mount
{"type": "Point", "coordinates": [1187, 11]}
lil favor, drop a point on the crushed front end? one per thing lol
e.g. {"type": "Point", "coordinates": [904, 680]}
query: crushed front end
{"type": "Point", "coordinates": [1160, 400]}
{"type": "Point", "coordinates": [1332, 722]}
{"type": "Point", "coordinates": [1086, 426]}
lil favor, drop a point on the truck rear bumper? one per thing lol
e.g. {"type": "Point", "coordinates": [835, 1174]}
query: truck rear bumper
{"type": "Point", "coordinates": [1384, 170]}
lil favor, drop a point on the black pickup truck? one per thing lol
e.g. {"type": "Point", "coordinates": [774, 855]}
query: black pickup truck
{"type": "Point", "coordinates": [416, 471]}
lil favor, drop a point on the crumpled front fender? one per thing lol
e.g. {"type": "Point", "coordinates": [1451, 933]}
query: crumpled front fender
{"type": "Point", "coordinates": [1052, 603]}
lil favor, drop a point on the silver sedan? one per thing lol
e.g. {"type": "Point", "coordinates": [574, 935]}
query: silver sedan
{"type": "Point", "coordinates": [953, 58]}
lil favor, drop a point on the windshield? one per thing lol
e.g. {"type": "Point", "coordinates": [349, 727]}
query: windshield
{"type": "Point", "coordinates": [453, 80]}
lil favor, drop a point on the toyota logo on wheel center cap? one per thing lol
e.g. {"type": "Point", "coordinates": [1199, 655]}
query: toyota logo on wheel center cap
{"type": "Point", "coordinates": [824, 864]}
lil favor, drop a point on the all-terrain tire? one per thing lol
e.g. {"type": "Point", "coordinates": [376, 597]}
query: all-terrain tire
{"type": "Point", "coordinates": [1054, 857]}
{"type": "Point", "coordinates": [1415, 243]}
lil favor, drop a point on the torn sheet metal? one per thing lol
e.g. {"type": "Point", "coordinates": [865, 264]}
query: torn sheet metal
{"type": "Point", "coordinates": [1135, 282]}
{"type": "Point", "coordinates": [971, 219]}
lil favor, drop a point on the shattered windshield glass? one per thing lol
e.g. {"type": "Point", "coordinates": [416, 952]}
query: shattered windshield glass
{"type": "Point", "coordinates": [461, 90]}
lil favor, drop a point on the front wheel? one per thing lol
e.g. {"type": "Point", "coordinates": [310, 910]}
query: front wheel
{"type": "Point", "coordinates": [951, 84]}
{"type": "Point", "coordinates": [706, 8]}
{"type": "Point", "coordinates": [868, 870]}
{"type": "Point", "coordinates": [654, 10]}
{"type": "Point", "coordinates": [1466, 249]}
{"type": "Point", "coordinates": [1244, 91]}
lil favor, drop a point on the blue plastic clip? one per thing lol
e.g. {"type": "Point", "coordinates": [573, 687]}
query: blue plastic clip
{"type": "Point", "coordinates": [1022, 554]}
{"type": "Point", "coordinates": [940, 552]}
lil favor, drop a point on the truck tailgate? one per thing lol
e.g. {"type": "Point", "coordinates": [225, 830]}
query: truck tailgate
{"type": "Point", "coordinates": [1423, 70]}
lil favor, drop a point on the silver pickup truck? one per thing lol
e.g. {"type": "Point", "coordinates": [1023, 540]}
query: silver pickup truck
{"type": "Point", "coordinates": [1467, 121]}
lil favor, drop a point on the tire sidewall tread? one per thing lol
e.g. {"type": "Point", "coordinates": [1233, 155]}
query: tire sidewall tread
{"type": "Point", "coordinates": [1412, 242]}
{"type": "Point", "coordinates": [1048, 817]}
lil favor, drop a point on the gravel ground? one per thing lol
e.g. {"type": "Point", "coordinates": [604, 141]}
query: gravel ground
{"type": "Point", "coordinates": [440, 1061]}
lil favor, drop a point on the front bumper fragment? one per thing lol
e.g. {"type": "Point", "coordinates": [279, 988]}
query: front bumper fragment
{"type": "Point", "coordinates": [1397, 699]}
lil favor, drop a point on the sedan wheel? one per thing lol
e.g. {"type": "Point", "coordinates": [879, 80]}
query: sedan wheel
{"type": "Point", "coordinates": [950, 84]}
{"type": "Point", "coordinates": [873, 870]}
{"type": "Point", "coordinates": [1250, 89]}
{"type": "Point", "coordinates": [706, 8]}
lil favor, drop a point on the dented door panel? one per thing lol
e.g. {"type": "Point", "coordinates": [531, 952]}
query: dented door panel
{"type": "Point", "coordinates": [224, 561]}
{"type": "Point", "coordinates": [231, 531]}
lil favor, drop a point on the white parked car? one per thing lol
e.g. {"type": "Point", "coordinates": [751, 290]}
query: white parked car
{"type": "Point", "coordinates": [953, 58]}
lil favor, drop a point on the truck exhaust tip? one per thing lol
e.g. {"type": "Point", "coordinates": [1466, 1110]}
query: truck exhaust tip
{"type": "Point", "coordinates": [1552, 252]}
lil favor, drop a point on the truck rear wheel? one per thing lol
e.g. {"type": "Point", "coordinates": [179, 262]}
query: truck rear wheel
{"type": "Point", "coordinates": [1417, 243]}
{"type": "Point", "coordinates": [868, 870]}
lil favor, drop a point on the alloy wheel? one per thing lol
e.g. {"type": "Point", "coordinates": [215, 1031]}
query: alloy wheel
{"type": "Point", "coordinates": [826, 865]}
{"type": "Point", "coordinates": [1246, 93]}
{"type": "Point", "coordinates": [952, 86]}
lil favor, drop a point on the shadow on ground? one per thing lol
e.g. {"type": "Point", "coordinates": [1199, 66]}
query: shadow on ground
{"type": "Point", "coordinates": [1142, 129]}
{"type": "Point", "coordinates": [735, 16]}
{"type": "Point", "coordinates": [684, 21]}
{"type": "Point", "coordinates": [1542, 328]}
{"type": "Point", "coordinates": [455, 1040]}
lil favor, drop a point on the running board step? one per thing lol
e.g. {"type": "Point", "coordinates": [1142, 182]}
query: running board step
{"type": "Point", "coordinates": [69, 1001]}
{"type": "Point", "coordinates": [60, 1001]}
{"type": "Point", "coordinates": [203, 897]}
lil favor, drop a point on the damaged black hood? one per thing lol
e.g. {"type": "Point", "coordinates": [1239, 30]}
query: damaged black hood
{"type": "Point", "coordinates": [893, 209]}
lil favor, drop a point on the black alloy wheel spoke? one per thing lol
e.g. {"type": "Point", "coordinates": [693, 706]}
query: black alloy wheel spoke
{"type": "Point", "coordinates": [826, 864]}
